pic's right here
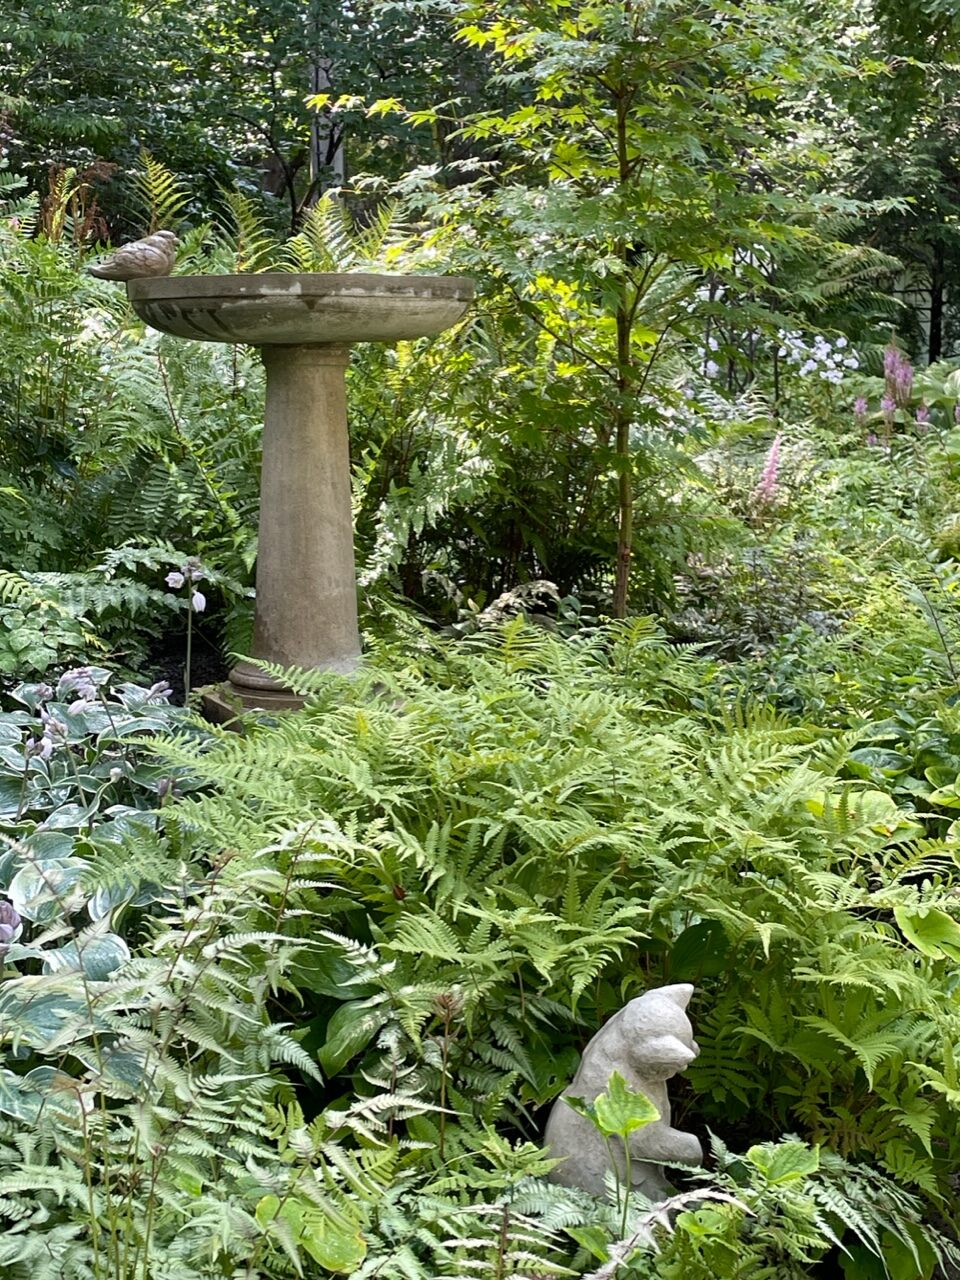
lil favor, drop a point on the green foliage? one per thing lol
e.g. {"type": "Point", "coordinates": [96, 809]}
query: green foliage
{"type": "Point", "coordinates": [296, 1003]}
{"type": "Point", "coordinates": [160, 1112]}
{"type": "Point", "coordinates": [537, 830]}
{"type": "Point", "coordinates": [114, 438]}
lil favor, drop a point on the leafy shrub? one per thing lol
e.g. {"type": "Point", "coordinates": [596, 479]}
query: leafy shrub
{"type": "Point", "coordinates": [444, 874]}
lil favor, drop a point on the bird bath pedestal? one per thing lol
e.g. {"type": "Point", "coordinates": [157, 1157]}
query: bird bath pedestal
{"type": "Point", "coordinates": [304, 325]}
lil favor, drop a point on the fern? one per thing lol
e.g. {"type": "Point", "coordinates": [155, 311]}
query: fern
{"type": "Point", "coordinates": [161, 192]}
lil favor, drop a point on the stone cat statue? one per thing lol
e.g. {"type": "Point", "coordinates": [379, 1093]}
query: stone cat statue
{"type": "Point", "coordinates": [648, 1041]}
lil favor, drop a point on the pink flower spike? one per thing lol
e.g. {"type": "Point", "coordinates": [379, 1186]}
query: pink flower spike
{"type": "Point", "coordinates": [904, 382]}
{"type": "Point", "coordinates": [766, 490]}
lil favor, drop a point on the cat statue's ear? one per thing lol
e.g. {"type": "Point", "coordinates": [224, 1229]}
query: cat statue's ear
{"type": "Point", "coordinates": [680, 993]}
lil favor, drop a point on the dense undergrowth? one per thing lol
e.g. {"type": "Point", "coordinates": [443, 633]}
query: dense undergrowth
{"type": "Point", "coordinates": [308, 1009]}
{"type": "Point", "coordinates": [298, 1002]}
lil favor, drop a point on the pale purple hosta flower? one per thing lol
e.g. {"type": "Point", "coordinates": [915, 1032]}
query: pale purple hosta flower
{"type": "Point", "coordinates": [891, 362]}
{"type": "Point", "coordinates": [889, 407]}
{"type": "Point", "coordinates": [54, 728]}
{"type": "Point", "coordinates": [10, 925]}
{"type": "Point", "coordinates": [923, 416]}
{"type": "Point", "coordinates": [190, 571]}
{"type": "Point", "coordinates": [42, 747]}
{"type": "Point", "coordinates": [198, 602]}
{"type": "Point", "coordinates": [55, 734]}
{"type": "Point", "coordinates": [43, 691]}
{"type": "Point", "coordinates": [766, 490]}
{"type": "Point", "coordinates": [872, 441]}
{"type": "Point", "coordinates": [79, 680]}
{"type": "Point", "coordinates": [860, 407]}
{"type": "Point", "coordinates": [158, 692]}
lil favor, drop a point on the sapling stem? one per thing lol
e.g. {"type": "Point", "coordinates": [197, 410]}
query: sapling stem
{"type": "Point", "coordinates": [186, 668]}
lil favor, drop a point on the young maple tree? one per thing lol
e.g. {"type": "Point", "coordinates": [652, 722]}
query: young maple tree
{"type": "Point", "coordinates": [650, 146]}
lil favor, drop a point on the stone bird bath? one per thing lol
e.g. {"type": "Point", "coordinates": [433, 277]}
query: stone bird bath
{"type": "Point", "coordinates": [304, 325]}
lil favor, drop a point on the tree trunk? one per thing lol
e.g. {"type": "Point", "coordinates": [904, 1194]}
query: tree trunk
{"type": "Point", "coordinates": [937, 288]}
{"type": "Point", "coordinates": [621, 588]}
{"type": "Point", "coordinates": [326, 141]}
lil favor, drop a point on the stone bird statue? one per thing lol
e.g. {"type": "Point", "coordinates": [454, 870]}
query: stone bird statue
{"type": "Point", "coordinates": [152, 256]}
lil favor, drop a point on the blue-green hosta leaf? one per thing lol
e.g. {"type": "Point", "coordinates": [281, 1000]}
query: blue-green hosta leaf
{"type": "Point", "coordinates": [70, 817]}
{"type": "Point", "coordinates": [123, 1064]}
{"type": "Point", "coordinates": [350, 1029]}
{"type": "Point", "coordinates": [44, 1088]}
{"type": "Point", "coordinates": [330, 1238]}
{"type": "Point", "coordinates": [97, 954]}
{"type": "Point", "coordinates": [10, 796]}
{"type": "Point", "coordinates": [17, 1099]}
{"type": "Point", "coordinates": [40, 888]}
{"type": "Point", "coordinates": [49, 844]}
{"type": "Point", "coordinates": [12, 758]}
{"type": "Point", "coordinates": [80, 724]}
{"type": "Point", "coordinates": [10, 862]}
{"type": "Point", "coordinates": [36, 1010]}
{"type": "Point", "coordinates": [881, 760]}
{"type": "Point", "coordinates": [11, 731]}
{"type": "Point", "coordinates": [104, 901]}
{"type": "Point", "coordinates": [53, 846]}
{"type": "Point", "coordinates": [128, 728]}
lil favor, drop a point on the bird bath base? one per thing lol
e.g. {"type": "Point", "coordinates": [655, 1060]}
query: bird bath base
{"type": "Point", "coordinates": [304, 325]}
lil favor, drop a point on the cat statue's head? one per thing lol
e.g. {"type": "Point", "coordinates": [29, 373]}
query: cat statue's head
{"type": "Point", "coordinates": [657, 1033]}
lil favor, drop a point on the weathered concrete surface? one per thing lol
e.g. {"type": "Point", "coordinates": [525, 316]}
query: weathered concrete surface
{"type": "Point", "coordinates": [647, 1042]}
{"type": "Point", "coordinates": [278, 308]}
{"type": "Point", "coordinates": [306, 614]}
{"type": "Point", "coordinates": [306, 580]}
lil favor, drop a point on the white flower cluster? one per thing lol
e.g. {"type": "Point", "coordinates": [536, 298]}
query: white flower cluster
{"type": "Point", "coordinates": [820, 357]}
{"type": "Point", "coordinates": [709, 366]}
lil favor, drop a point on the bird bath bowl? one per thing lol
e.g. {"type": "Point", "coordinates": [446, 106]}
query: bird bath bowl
{"type": "Point", "coordinates": [304, 325]}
